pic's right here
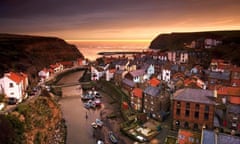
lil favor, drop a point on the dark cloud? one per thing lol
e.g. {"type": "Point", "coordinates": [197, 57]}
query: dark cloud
{"type": "Point", "coordinates": [55, 15]}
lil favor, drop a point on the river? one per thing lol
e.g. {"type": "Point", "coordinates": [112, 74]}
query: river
{"type": "Point", "coordinates": [79, 130]}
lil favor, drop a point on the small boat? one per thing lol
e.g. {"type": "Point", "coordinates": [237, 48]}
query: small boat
{"type": "Point", "coordinates": [94, 125]}
{"type": "Point", "coordinates": [100, 142]}
{"type": "Point", "coordinates": [112, 137]}
{"type": "Point", "coordinates": [99, 122]}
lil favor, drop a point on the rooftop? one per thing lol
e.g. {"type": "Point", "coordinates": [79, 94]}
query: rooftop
{"type": "Point", "coordinates": [194, 95]}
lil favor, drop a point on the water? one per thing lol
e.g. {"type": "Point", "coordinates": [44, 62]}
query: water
{"type": "Point", "coordinates": [90, 49]}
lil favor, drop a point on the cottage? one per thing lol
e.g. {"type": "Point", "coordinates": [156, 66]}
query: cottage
{"type": "Point", "coordinates": [54, 68]}
{"type": "Point", "coordinates": [44, 74]}
{"type": "Point", "coordinates": [14, 85]}
{"type": "Point", "coordinates": [136, 76]}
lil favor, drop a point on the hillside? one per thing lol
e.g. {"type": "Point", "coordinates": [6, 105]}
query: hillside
{"type": "Point", "coordinates": [228, 49]}
{"type": "Point", "coordinates": [38, 121]}
{"type": "Point", "coordinates": [32, 53]}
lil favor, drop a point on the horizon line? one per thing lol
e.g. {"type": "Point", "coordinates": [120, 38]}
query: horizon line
{"type": "Point", "coordinates": [111, 40]}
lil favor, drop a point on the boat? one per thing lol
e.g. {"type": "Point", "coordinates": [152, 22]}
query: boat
{"type": "Point", "coordinates": [112, 137]}
{"type": "Point", "coordinates": [94, 125]}
{"type": "Point", "coordinates": [100, 142]}
{"type": "Point", "coordinates": [99, 122]}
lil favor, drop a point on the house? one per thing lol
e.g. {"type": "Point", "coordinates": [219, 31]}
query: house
{"type": "Point", "coordinates": [121, 64]}
{"type": "Point", "coordinates": [149, 70]}
{"type": "Point", "coordinates": [213, 137]}
{"type": "Point", "coordinates": [127, 86]}
{"type": "Point", "coordinates": [233, 117]}
{"type": "Point", "coordinates": [220, 65]}
{"type": "Point", "coordinates": [137, 99]}
{"type": "Point", "coordinates": [188, 137]}
{"type": "Point", "coordinates": [227, 94]}
{"type": "Point", "coordinates": [154, 82]}
{"type": "Point", "coordinates": [209, 43]}
{"type": "Point", "coordinates": [82, 61]}
{"type": "Point", "coordinates": [235, 76]}
{"type": "Point", "coordinates": [136, 76]}
{"type": "Point", "coordinates": [155, 104]}
{"type": "Point", "coordinates": [218, 78]}
{"type": "Point", "coordinates": [110, 74]}
{"type": "Point", "coordinates": [14, 85]}
{"type": "Point", "coordinates": [97, 73]}
{"type": "Point", "coordinates": [44, 74]}
{"type": "Point", "coordinates": [193, 108]}
{"type": "Point", "coordinates": [119, 75]}
{"type": "Point", "coordinates": [166, 75]}
{"type": "Point", "coordinates": [184, 57]}
{"type": "Point", "coordinates": [54, 68]}
{"type": "Point", "coordinates": [132, 66]}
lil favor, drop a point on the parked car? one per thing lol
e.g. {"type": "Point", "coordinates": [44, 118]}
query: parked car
{"type": "Point", "coordinates": [112, 137]}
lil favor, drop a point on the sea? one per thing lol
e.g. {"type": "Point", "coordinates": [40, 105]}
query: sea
{"type": "Point", "coordinates": [91, 49]}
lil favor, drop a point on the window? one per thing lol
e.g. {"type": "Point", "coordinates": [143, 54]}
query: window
{"type": "Point", "coordinates": [206, 108]}
{"type": "Point", "coordinates": [177, 123]}
{"type": "Point", "coordinates": [187, 105]}
{"type": "Point", "coordinates": [178, 104]}
{"type": "Point", "coordinates": [178, 111]}
{"type": "Point", "coordinates": [196, 115]}
{"type": "Point", "coordinates": [197, 106]}
{"type": "Point", "coordinates": [12, 93]}
{"type": "Point", "coordinates": [187, 113]}
{"type": "Point", "coordinates": [191, 139]}
{"type": "Point", "coordinates": [10, 85]}
{"type": "Point", "coordinates": [186, 125]}
{"type": "Point", "coordinates": [195, 126]}
{"type": "Point", "coordinates": [205, 116]}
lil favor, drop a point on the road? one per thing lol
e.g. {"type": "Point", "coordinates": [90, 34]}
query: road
{"type": "Point", "coordinates": [79, 128]}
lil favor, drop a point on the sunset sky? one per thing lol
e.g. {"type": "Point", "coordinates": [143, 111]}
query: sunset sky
{"type": "Point", "coordinates": [116, 19]}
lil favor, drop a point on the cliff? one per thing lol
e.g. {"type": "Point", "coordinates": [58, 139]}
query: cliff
{"type": "Point", "coordinates": [32, 53]}
{"type": "Point", "coordinates": [228, 49]}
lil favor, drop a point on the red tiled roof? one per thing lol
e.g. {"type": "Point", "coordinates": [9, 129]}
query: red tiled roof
{"type": "Point", "coordinates": [154, 82]}
{"type": "Point", "coordinates": [112, 70]}
{"type": "Point", "coordinates": [14, 77]}
{"type": "Point", "coordinates": [137, 92]}
{"type": "Point", "coordinates": [230, 91]}
{"type": "Point", "coordinates": [184, 135]}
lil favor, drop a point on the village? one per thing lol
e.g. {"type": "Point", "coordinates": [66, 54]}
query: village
{"type": "Point", "coordinates": [198, 97]}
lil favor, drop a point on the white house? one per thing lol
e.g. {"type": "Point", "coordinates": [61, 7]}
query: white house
{"type": "Point", "coordinates": [56, 67]}
{"type": "Point", "coordinates": [14, 85]}
{"type": "Point", "coordinates": [97, 73]}
{"type": "Point", "coordinates": [44, 74]}
{"type": "Point", "coordinates": [110, 74]}
{"type": "Point", "coordinates": [166, 75]}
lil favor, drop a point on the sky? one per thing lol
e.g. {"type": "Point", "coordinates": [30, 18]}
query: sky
{"type": "Point", "coordinates": [116, 19]}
